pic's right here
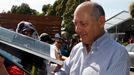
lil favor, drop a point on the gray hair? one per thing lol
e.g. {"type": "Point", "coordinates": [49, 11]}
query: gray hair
{"type": "Point", "coordinates": [98, 11]}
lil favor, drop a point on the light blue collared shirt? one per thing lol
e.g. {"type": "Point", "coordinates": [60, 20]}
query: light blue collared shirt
{"type": "Point", "coordinates": [107, 57]}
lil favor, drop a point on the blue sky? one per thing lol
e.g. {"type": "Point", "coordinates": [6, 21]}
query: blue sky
{"type": "Point", "coordinates": [111, 7]}
{"type": "Point", "coordinates": [34, 4]}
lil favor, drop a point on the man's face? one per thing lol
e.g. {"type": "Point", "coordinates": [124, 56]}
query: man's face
{"type": "Point", "coordinates": [85, 25]}
{"type": "Point", "coordinates": [59, 43]}
{"type": "Point", "coordinates": [27, 33]}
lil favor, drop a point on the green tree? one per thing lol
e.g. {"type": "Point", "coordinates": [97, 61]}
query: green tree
{"type": "Point", "coordinates": [131, 9]}
{"type": "Point", "coordinates": [45, 8]}
{"type": "Point", "coordinates": [14, 9]}
{"type": "Point", "coordinates": [68, 15]}
{"type": "Point", "coordinates": [60, 8]}
{"type": "Point", "coordinates": [52, 8]}
{"type": "Point", "coordinates": [23, 9]}
{"type": "Point", "coordinates": [34, 12]}
{"type": "Point", "coordinates": [50, 11]}
{"type": "Point", "coordinates": [65, 9]}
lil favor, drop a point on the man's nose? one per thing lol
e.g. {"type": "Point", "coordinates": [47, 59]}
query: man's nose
{"type": "Point", "coordinates": [77, 29]}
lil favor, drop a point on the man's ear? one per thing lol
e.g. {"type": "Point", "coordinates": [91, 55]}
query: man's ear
{"type": "Point", "coordinates": [101, 21]}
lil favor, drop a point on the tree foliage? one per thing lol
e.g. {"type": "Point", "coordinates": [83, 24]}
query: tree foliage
{"type": "Point", "coordinates": [58, 8]}
{"type": "Point", "coordinates": [131, 9]}
{"type": "Point", "coordinates": [50, 11]}
{"type": "Point", "coordinates": [68, 15]}
{"type": "Point", "coordinates": [14, 9]}
{"type": "Point", "coordinates": [65, 9]}
{"type": "Point", "coordinates": [23, 9]}
{"type": "Point", "coordinates": [45, 8]}
{"type": "Point", "coordinates": [61, 7]}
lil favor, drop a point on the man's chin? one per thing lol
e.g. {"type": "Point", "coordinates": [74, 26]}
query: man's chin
{"type": "Point", "coordinates": [83, 42]}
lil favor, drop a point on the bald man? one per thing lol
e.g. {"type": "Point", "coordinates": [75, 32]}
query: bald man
{"type": "Point", "coordinates": [97, 53]}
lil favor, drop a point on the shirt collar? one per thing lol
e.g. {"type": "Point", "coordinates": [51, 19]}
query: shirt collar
{"type": "Point", "coordinates": [96, 44]}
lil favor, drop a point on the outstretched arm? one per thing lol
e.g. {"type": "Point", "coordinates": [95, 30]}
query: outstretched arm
{"type": "Point", "coordinates": [2, 67]}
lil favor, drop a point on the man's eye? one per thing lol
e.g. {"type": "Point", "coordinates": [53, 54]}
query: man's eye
{"type": "Point", "coordinates": [83, 24]}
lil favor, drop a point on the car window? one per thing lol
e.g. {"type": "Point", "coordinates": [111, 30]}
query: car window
{"type": "Point", "coordinates": [130, 48]}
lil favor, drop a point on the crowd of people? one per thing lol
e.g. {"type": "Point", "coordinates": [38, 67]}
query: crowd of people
{"type": "Point", "coordinates": [91, 51]}
{"type": "Point", "coordinates": [60, 50]}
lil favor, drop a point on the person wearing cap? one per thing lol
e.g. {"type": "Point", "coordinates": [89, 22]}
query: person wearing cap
{"type": "Point", "coordinates": [58, 43]}
{"type": "Point", "coordinates": [55, 52]}
{"type": "Point", "coordinates": [46, 38]}
{"type": "Point", "coordinates": [28, 29]}
{"type": "Point", "coordinates": [32, 63]}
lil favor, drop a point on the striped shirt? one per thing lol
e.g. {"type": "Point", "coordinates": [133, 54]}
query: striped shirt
{"type": "Point", "coordinates": [106, 57]}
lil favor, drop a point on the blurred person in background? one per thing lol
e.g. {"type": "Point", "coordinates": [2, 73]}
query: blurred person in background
{"type": "Point", "coordinates": [74, 40]}
{"type": "Point", "coordinates": [46, 38]}
{"type": "Point", "coordinates": [65, 48]}
{"type": "Point", "coordinates": [28, 29]}
{"type": "Point", "coordinates": [58, 45]}
{"type": "Point", "coordinates": [32, 63]}
{"type": "Point", "coordinates": [55, 52]}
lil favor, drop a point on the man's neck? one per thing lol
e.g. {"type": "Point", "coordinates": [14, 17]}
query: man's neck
{"type": "Point", "coordinates": [88, 46]}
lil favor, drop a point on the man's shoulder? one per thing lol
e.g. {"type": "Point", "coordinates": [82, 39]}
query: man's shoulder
{"type": "Point", "coordinates": [77, 46]}
{"type": "Point", "coordinates": [117, 48]}
{"type": "Point", "coordinates": [76, 49]}
{"type": "Point", "coordinates": [117, 45]}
